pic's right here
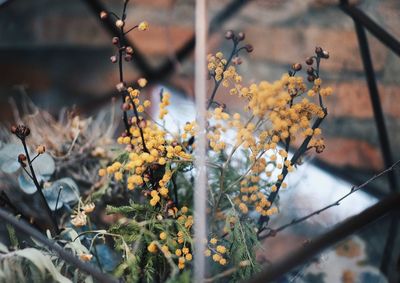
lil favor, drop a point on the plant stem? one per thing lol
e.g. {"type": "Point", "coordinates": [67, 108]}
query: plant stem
{"type": "Point", "coordinates": [124, 93]}
{"type": "Point", "coordinates": [299, 152]}
{"type": "Point", "coordinates": [273, 232]}
{"type": "Point", "coordinates": [39, 188]}
{"type": "Point", "coordinates": [214, 92]}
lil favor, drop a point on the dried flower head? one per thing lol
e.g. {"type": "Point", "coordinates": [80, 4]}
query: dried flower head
{"type": "Point", "coordinates": [88, 208]}
{"type": "Point", "coordinates": [79, 219]}
{"type": "Point", "coordinates": [85, 257]}
{"type": "Point", "coordinates": [21, 131]}
{"type": "Point", "coordinates": [41, 149]}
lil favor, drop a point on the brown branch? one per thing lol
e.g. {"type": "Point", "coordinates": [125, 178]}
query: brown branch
{"type": "Point", "coordinates": [124, 92]}
{"type": "Point", "coordinates": [25, 228]}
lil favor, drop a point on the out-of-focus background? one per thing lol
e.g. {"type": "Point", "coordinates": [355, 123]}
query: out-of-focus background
{"type": "Point", "coordinates": [58, 53]}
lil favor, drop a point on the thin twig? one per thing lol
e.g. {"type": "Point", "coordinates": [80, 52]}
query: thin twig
{"type": "Point", "coordinates": [39, 187]}
{"type": "Point", "coordinates": [273, 232]}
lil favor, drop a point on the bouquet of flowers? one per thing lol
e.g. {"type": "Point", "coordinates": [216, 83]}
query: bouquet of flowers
{"type": "Point", "coordinates": [125, 205]}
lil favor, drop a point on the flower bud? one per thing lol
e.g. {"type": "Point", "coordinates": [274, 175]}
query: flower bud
{"type": "Point", "coordinates": [22, 131]}
{"type": "Point", "coordinates": [237, 61]}
{"type": "Point", "coordinates": [125, 106]}
{"type": "Point", "coordinates": [318, 51]}
{"type": "Point", "coordinates": [142, 124]}
{"type": "Point", "coordinates": [128, 57]}
{"type": "Point", "coordinates": [310, 70]}
{"type": "Point", "coordinates": [22, 159]}
{"type": "Point", "coordinates": [121, 87]}
{"type": "Point", "coordinates": [143, 26]}
{"type": "Point", "coordinates": [311, 78]}
{"type": "Point", "coordinates": [41, 149]}
{"type": "Point", "coordinates": [13, 129]}
{"type": "Point", "coordinates": [320, 148]}
{"type": "Point", "coordinates": [325, 54]}
{"type": "Point", "coordinates": [103, 15]}
{"type": "Point", "coordinates": [296, 67]}
{"type": "Point", "coordinates": [115, 40]}
{"type": "Point", "coordinates": [249, 48]}
{"type": "Point", "coordinates": [309, 61]}
{"type": "Point", "coordinates": [241, 36]}
{"type": "Point", "coordinates": [119, 23]}
{"type": "Point", "coordinates": [114, 59]}
{"type": "Point", "coordinates": [129, 50]}
{"type": "Point", "coordinates": [229, 34]}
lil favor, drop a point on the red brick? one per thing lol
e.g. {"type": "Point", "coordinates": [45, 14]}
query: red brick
{"type": "Point", "coordinates": [161, 40]}
{"type": "Point", "coordinates": [32, 76]}
{"type": "Point", "coordinates": [69, 30]}
{"type": "Point", "coordinates": [353, 100]}
{"type": "Point", "coordinates": [159, 4]}
{"type": "Point", "coordinates": [353, 153]}
{"type": "Point", "coordinates": [324, 3]}
{"type": "Point", "coordinates": [286, 45]}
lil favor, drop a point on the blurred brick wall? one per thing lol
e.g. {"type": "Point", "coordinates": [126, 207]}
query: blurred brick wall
{"type": "Point", "coordinates": [59, 50]}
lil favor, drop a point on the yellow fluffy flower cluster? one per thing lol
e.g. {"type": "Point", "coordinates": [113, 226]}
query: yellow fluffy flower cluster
{"type": "Point", "coordinates": [216, 251]}
{"type": "Point", "coordinates": [179, 243]}
{"type": "Point", "coordinates": [221, 72]}
{"type": "Point", "coordinates": [148, 145]}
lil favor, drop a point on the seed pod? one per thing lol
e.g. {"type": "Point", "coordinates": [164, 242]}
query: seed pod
{"type": "Point", "coordinates": [309, 61]}
{"type": "Point", "coordinates": [103, 15]}
{"type": "Point", "coordinates": [229, 34]}
{"type": "Point", "coordinates": [241, 36]}
{"type": "Point", "coordinates": [296, 67]}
